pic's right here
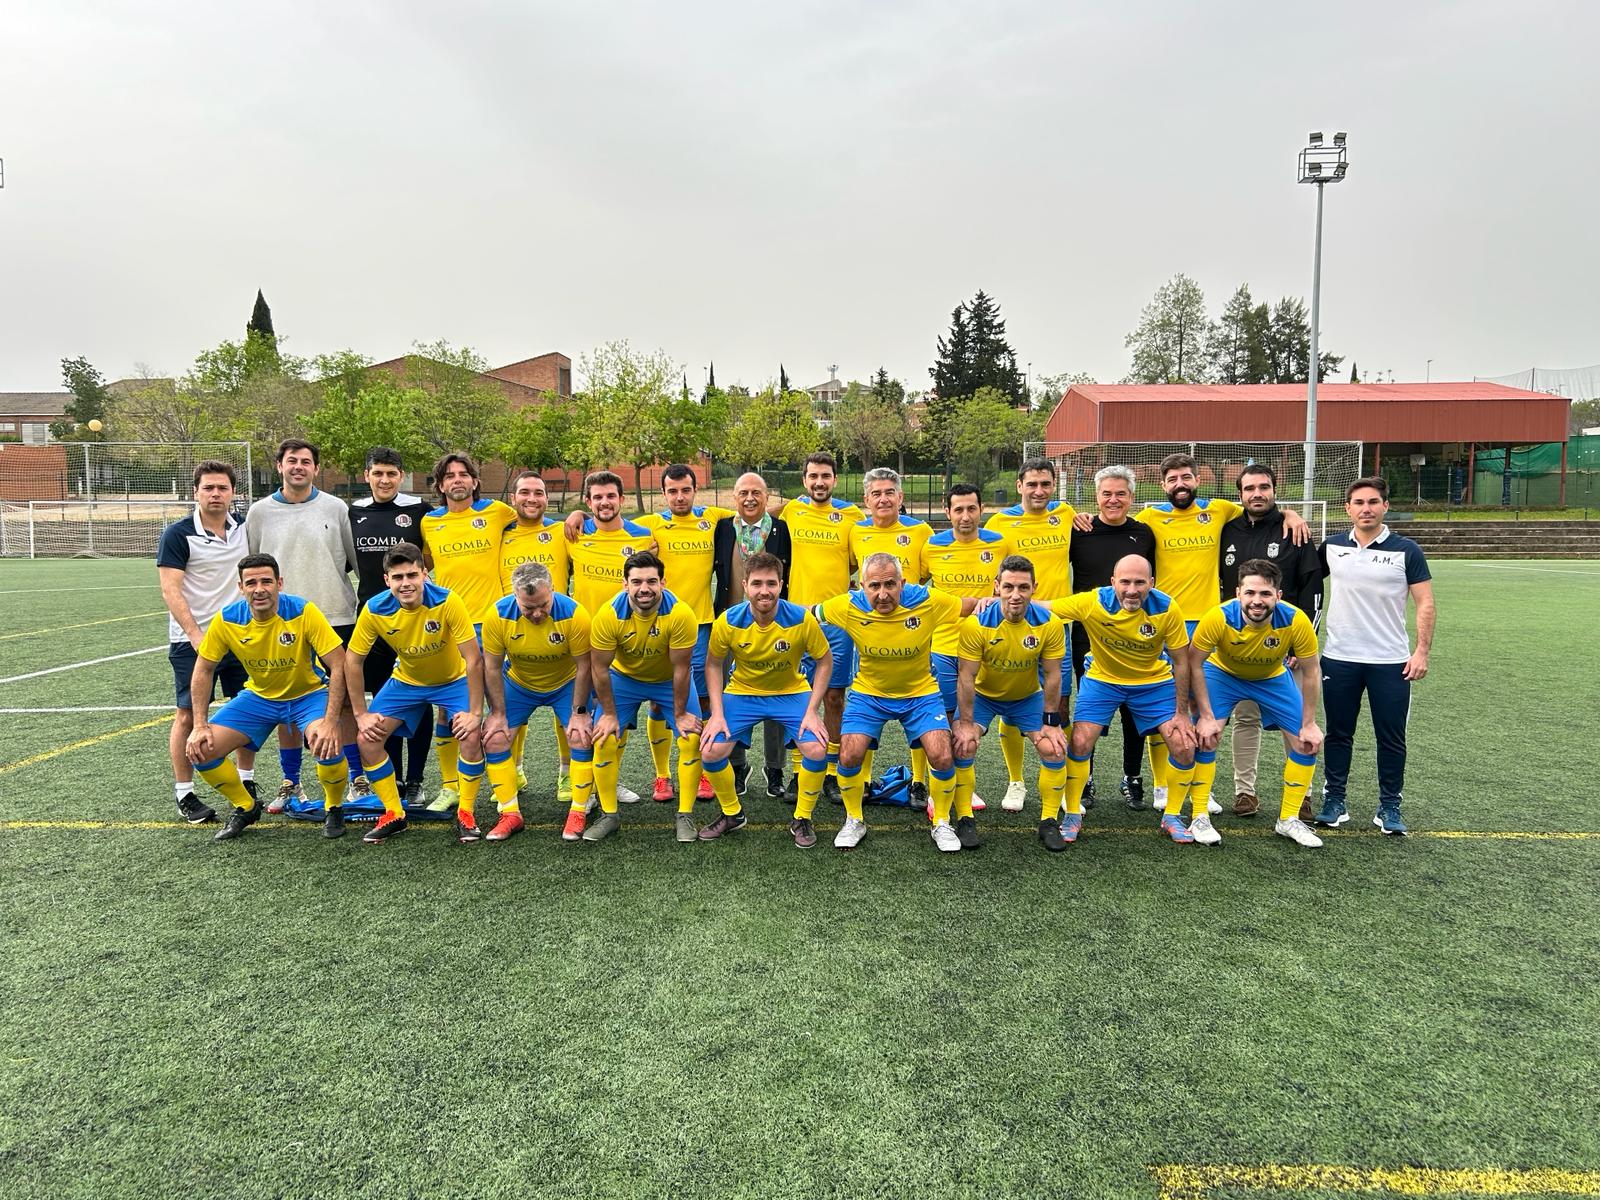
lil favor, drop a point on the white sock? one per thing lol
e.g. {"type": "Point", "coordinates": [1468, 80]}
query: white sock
{"type": "Point", "coordinates": [180, 790]}
{"type": "Point", "coordinates": [246, 776]}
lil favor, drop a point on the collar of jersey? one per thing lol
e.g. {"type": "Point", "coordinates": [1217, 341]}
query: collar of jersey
{"type": "Point", "coordinates": [628, 527]}
{"type": "Point", "coordinates": [386, 603]}
{"type": "Point", "coordinates": [947, 537]}
{"type": "Point", "coordinates": [1035, 614]}
{"type": "Point", "coordinates": [624, 610]}
{"type": "Point", "coordinates": [912, 595]}
{"type": "Point", "coordinates": [289, 607]}
{"type": "Point", "coordinates": [1016, 509]}
{"type": "Point", "coordinates": [1154, 602]}
{"type": "Point", "coordinates": [788, 615]}
{"type": "Point", "coordinates": [1282, 616]}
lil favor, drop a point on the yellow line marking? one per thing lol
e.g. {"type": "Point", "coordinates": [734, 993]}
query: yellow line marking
{"type": "Point", "coordinates": [1184, 1182]}
{"type": "Point", "coordinates": [1554, 835]}
{"type": "Point", "coordinates": [86, 742]}
{"type": "Point", "coordinates": [160, 612]}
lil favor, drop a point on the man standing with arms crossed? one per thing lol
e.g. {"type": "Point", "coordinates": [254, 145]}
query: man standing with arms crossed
{"type": "Point", "coordinates": [819, 532]}
{"type": "Point", "coordinates": [196, 563]}
{"type": "Point", "coordinates": [1258, 533]}
{"type": "Point", "coordinates": [1366, 649]}
{"type": "Point", "coordinates": [380, 522]}
{"type": "Point", "coordinates": [1095, 553]}
{"type": "Point", "coordinates": [308, 532]}
{"type": "Point", "coordinates": [1040, 529]}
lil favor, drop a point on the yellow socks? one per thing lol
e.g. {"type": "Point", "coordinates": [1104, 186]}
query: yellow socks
{"type": "Point", "coordinates": [1158, 760]}
{"type": "Point", "coordinates": [582, 779]}
{"type": "Point", "coordinates": [224, 776]}
{"type": "Point", "coordinates": [334, 776]}
{"type": "Point", "coordinates": [851, 784]}
{"type": "Point", "coordinates": [1011, 751]}
{"type": "Point", "coordinates": [518, 741]}
{"type": "Point", "coordinates": [966, 784]}
{"type": "Point", "coordinates": [607, 766]}
{"type": "Point", "coordinates": [833, 761]}
{"type": "Point", "coordinates": [447, 752]}
{"type": "Point", "coordinates": [1180, 781]}
{"type": "Point", "coordinates": [942, 792]}
{"type": "Point", "coordinates": [689, 770]}
{"type": "Point", "coordinates": [866, 766]}
{"type": "Point", "coordinates": [721, 776]}
{"type": "Point", "coordinates": [1075, 776]}
{"type": "Point", "coordinates": [811, 774]}
{"type": "Point", "coordinates": [660, 746]}
{"type": "Point", "coordinates": [1297, 772]}
{"type": "Point", "coordinates": [381, 777]}
{"type": "Point", "coordinates": [919, 766]}
{"type": "Point", "coordinates": [1200, 777]}
{"type": "Point", "coordinates": [471, 776]}
{"type": "Point", "coordinates": [502, 771]}
{"type": "Point", "coordinates": [561, 741]}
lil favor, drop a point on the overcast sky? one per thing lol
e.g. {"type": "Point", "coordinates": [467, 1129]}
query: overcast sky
{"type": "Point", "coordinates": [806, 183]}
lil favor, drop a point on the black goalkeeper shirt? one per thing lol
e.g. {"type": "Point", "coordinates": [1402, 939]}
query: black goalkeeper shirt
{"type": "Point", "coordinates": [1094, 555]}
{"type": "Point", "coordinates": [378, 528]}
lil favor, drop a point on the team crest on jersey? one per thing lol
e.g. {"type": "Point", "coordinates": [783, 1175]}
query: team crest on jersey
{"type": "Point", "coordinates": [1272, 549]}
{"type": "Point", "coordinates": [627, 552]}
{"type": "Point", "coordinates": [835, 517]}
{"type": "Point", "coordinates": [402, 520]}
{"type": "Point", "coordinates": [1052, 519]}
{"type": "Point", "coordinates": [913, 622]}
{"type": "Point", "coordinates": [1030, 642]}
{"type": "Point", "coordinates": [1204, 518]}
{"type": "Point", "coordinates": [1229, 559]}
{"type": "Point", "coordinates": [431, 626]}
{"type": "Point", "coordinates": [480, 522]}
{"type": "Point", "coordinates": [557, 637]}
{"type": "Point", "coordinates": [903, 540]}
{"type": "Point", "coordinates": [1147, 630]}
{"type": "Point", "coordinates": [544, 536]}
{"type": "Point", "coordinates": [654, 630]}
{"type": "Point", "coordinates": [1272, 642]}
{"type": "Point", "coordinates": [986, 556]}
{"type": "Point", "coordinates": [780, 645]}
{"type": "Point", "coordinates": [286, 638]}
{"type": "Point", "coordinates": [703, 525]}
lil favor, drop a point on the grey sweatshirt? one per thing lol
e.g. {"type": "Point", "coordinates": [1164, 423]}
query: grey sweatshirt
{"type": "Point", "coordinates": [314, 548]}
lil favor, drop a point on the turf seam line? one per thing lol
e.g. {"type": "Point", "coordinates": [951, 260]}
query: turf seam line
{"type": "Point", "coordinates": [1196, 1182]}
{"type": "Point", "coordinates": [93, 662]}
{"type": "Point", "coordinates": [1541, 570]}
{"type": "Point", "coordinates": [6, 637]}
{"type": "Point", "coordinates": [110, 587]}
{"type": "Point", "coordinates": [89, 708]}
{"type": "Point", "coordinates": [7, 768]}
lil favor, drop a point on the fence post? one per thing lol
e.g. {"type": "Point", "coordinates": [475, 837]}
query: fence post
{"type": "Point", "coordinates": [88, 494]}
{"type": "Point", "coordinates": [30, 529]}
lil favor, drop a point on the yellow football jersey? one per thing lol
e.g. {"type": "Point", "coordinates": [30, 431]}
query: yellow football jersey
{"type": "Point", "coordinates": [766, 659]}
{"type": "Point", "coordinates": [962, 569]}
{"type": "Point", "coordinates": [1009, 652]}
{"type": "Point", "coordinates": [895, 649]}
{"type": "Point", "coordinates": [465, 549]}
{"type": "Point", "coordinates": [538, 656]}
{"type": "Point", "coordinates": [819, 540]}
{"type": "Point", "coordinates": [642, 645]}
{"type": "Point", "coordinates": [904, 539]}
{"type": "Point", "coordinates": [1247, 652]}
{"type": "Point", "coordinates": [1126, 647]}
{"type": "Point", "coordinates": [684, 546]}
{"type": "Point", "coordinates": [546, 543]}
{"type": "Point", "coordinates": [279, 654]}
{"type": "Point", "coordinates": [426, 639]}
{"type": "Point", "coordinates": [1044, 540]}
{"type": "Point", "coordinates": [598, 557]}
{"type": "Point", "coordinates": [1188, 550]}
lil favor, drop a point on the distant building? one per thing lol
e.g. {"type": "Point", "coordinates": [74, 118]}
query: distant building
{"type": "Point", "coordinates": [26, 416]}
{"type": "Point", "coordinates": [830, 392]}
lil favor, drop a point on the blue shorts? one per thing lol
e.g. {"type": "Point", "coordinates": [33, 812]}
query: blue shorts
{"type": "Point", "coordinates": [1279, 697]}
{"type": "Point", "coordinates": [410, 704]}
{"type": "Point", "coordinates": [744, 713]}
{"type": "Point", "coordinates": [947, 669]}
{"type": "Point", "coordinates": [521, 702]}
{"type": "Point", "coordinates": [1150, 704]}
{"type": "Point", "coordinates": [629, 694]}
{"type": "Point", "coordinates": [257, 718]}
{"type": "Point", "coordinates": [697, 664]}
{"type": "Point", "coordinates": [1026, 714]}
{"type": "Point", "coordinates": [844, 657]}
{"type": "Point", "coordinates": [869, 714]}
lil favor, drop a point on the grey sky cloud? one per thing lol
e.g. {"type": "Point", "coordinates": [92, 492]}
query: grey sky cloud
{"type": "Point", "coordinates": [807, 183]}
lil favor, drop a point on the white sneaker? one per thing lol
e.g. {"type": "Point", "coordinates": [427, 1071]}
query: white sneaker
{"type": "Point", "coordinates": [287, 790]}
{"type": "Point", "coordinates": [592, 803]}
{"type": "Point", "coordinates": [1295, 830]}
{"type": "Point", "coordinates": [944, 836]}
{"type": "Point", "coordinates": [1204, 832]}
{"type": "Point", "coordinates": [853, 831]}
{"type": "Point", "coordinates": [1158, 800]}
{"type": "Point", "coordinates": [626, 795]}
{"type": "Point", "coordinates": [1212, 806]}
{"type": "Point", "coordinates": [1016, 796]}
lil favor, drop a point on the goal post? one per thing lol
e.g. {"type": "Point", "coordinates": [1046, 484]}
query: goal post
{"type": "Point", "coordinates": [1219, 465]}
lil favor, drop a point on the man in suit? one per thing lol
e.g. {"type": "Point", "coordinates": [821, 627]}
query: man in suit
{"type": "Point", "coordinates": [751, 530]}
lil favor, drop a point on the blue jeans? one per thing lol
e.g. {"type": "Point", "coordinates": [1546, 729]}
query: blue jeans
{"type": "Point", "coordinates": [1389, 704]}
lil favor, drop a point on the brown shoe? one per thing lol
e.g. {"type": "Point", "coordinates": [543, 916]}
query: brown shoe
{"type": "Point", "coordinates": [1245, 805]}
{"type": "Point", "coordinates": [1307, 813]}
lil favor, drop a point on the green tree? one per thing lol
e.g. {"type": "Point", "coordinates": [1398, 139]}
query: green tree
{"type": "Point", "coordinates": [542, 436]}
{"type": "Point", "coordinates": [160, 410]}
{"type": "Point", "coordinates": [864, 426]}
{"type": "Point", "coordinates": [459, 409]}
{"type": "Point", "coordinates": [633, 419]}
{"type": "Point", "coordinates": [1584, 414]}
{"type": "Point", "coordinates": [771, 429]}
{"type": "Point", "coordinates": [260, 318]}
{"type": "Point", "coordinates": [1169, 345]}
{"type": "Point", "coordinates": [990, 429]}
{"type": "Point", "coordinates": [90, 401]}
{"type": "Point", "coordinates": [1355, 376]}
{"type": "Point", "coordinates": [1238, 343]}
{"type": "Point", "coordinates": [975, 353]}
{"type": "Point", "coordinates": [1047, 390]}
{"type": "Point", "coordinates": [361, 411]}
{"type": "Point", "coordinates": [783, 381]}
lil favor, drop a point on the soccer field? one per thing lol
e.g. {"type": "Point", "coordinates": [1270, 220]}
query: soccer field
{"type": "Point", "coordinates": [287, 1016]}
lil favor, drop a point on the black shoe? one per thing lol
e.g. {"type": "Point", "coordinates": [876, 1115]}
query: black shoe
{"type": "Point", "coordinates": [193, 811]}
{"type": "Point", "coordinates": [1050, 835]}
{"type": "Point", "coordinates": [1088, 795]}
{"type": "Point", "coordinates": [239, 819]}
{"type": "Point", "coordinates": [775, 788]}
{"type": "Point", "coordinates": [385, 829]}
{"type": "Point", "coordinates": [741, 778]}
{"type": "Point", "coordinates": [1132, 790]}
{"type": "Point", "coordinates": [333, 823]}
{"type": "Point", "coordinates": [967, 831]}
{"type": "Point", "coordinates": [725, 823]}
{"type": "Point", "coordinates": [919, 795]}
{"type": "Point", "coordinates": [411, 797]}
{"type": "Point", "coordinates": [830, 788]}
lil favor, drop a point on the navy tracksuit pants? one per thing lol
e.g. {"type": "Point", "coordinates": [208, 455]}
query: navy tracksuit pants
{"type": "Point", "coordinates": [1388, 695]}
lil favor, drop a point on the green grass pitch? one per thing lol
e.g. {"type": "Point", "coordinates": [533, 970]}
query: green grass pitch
{"type": "Point", "coordinates": [283, 1016]}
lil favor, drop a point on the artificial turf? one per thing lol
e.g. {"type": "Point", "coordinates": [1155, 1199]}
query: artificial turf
{"type": "Point", "coordinates": [287, 1016]}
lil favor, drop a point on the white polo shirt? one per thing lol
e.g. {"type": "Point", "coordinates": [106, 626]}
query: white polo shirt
{"type": "Point", "coordinates": [210, 566]}
{"type": "Point", "coordinates": [1366, 617]}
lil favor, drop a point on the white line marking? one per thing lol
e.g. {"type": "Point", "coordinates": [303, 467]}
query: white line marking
{"type": "Point", "coordinates": [74, 666]}
{"type": "Point", "coordinates": [1544, 570]}
{"type": "Point", "coordinates": [110, 587]}
{"type": "Point", "coordinates": [88, 709]}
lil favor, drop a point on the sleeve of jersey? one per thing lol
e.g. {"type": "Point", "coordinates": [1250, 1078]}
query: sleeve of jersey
{"type": "Point", "coordinates": [1055, 641]}
{"type": "Point", "coordinates": [832, 610]}
{"type": "Point", "coordinates": [365, 632]}
{"type": "Point", "coordinates": [685, 629]}
{"type": "Point", "coordinates": [1208, 633]}
{"type": "Point", "coordinates": [816, 641]}
{"type": "Point", "coordinates": [494, 634]}
{"type": "Point", "coordinates": [1416, 565]}
{"type": "Point", "coordinates": [721, 640]}
{"type": "Point", "coordinates": [174, 548]}
{"type": "Point", "coordinates": [215, 643]}
{"type": "Point", "coordinates": [1302, 637]}
{"type": "Point", "coordinates": [1228, 509]}
{"type": "Point", "coordinates": [972, 639]}
{"type": "Point", "coordinates": [1177, 633]}
{"type": "Point", "coordinates": [947, 608]}
{"type": "Point", "coordinates": [579, 637]}
{"type": "Point", "coordinates": [1075, 608]}
{"type": "Point", "coordinates": [603, 630]}
{"type": "Point", "coordinates": [317, 630]}
{"type": "Point", "coordinates": [456, 617]}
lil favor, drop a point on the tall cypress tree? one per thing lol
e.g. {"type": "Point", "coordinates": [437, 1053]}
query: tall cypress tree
{"type": "Point", "coordinates": [260, 319]}
{"type": "Point", "coordinates": [783, 381]}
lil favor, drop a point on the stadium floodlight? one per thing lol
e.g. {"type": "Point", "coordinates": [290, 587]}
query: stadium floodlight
{"type": "Point", "coordinates": [1313, 159]}
{"type": "Point", "coordinates": [1314, 137]}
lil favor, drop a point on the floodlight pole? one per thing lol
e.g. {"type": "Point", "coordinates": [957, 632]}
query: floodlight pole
{"type": "Point", "coordinates": [1316, 362]}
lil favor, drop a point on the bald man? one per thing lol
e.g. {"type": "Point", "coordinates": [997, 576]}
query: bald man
{"type": "Point", "coordinates": [751, 530]}
{"type": "Point", "coordinates": [1136, 634]}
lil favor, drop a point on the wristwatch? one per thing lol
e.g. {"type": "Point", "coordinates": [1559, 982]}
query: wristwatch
{"type": "Point", "coordinates": [582, 710]}
{"type": "Point", "coordinates": [1052, 718]}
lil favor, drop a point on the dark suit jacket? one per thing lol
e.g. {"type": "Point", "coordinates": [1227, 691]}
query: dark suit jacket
{"type": "Point", "coordinates": [724, 544]}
